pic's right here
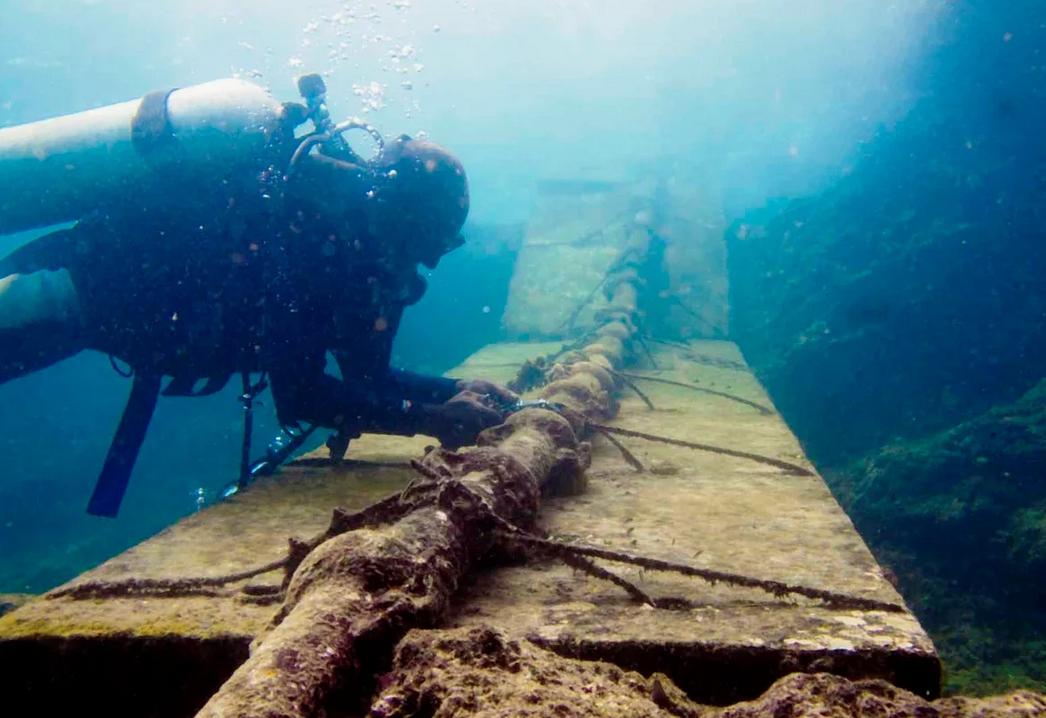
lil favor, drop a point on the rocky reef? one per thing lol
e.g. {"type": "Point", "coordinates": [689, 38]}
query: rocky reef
{"type": "Point", "coordinates": [898, 320]}
{"type": "Point", "coordinates": [961, 518]}
{"type": "Point", "coordinates": [910, 369]}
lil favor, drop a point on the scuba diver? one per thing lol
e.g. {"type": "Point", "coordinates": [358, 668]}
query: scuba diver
{"type": "Point", "coordinates": [258, 272]}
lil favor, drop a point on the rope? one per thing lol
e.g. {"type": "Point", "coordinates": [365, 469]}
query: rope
{"type": "Point", "coordinates": [786, 466]}
{"type": "Point", "coordinates": [777, 588]}
{"type": "Point", "coordinates": [671, 382]}
{"type": "Point", "coordinates": [629, 456]}
{"type": "Point", "coordinates": [626, 381]}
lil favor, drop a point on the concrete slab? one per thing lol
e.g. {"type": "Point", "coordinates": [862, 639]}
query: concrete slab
{"type": "Point", "coordinates": [692, 226]}
{"type": "Point", "coordinates": [163, 656]}
{"type": "Point", "coordinates": [718, 512]}
{"type": "Point", "coordinates": [575, 233]}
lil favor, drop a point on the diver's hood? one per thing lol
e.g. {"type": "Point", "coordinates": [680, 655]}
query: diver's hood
{"type": "Point", "coordinates": [413, 195]}
{"type": "Point", "coordinates": [427, 193]}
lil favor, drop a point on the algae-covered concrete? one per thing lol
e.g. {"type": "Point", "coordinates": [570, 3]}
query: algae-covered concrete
{"type": "Point", "coordinates": [696, 286]}
{"type": "Point", "coordinates": [11, 601]}
{"type": "Point", "coordinates": [164, 655]}
{"type": "Point", "coordinates": [580, 227]}
{"type": "Point", "coordinates": [717, 512]}
{"type": "Point", "coordinates": [577, 232]}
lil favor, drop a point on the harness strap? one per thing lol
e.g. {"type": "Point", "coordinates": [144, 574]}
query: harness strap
{"type": "Point", "coordinates": [151, 129]}
{"type": "Point", "coordinates": [247, 398]}
{"type": "Point", "coordinates": [111, 486]}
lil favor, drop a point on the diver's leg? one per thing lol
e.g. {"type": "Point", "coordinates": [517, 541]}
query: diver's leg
{"type": "Point", "coordinates": [40, 322]}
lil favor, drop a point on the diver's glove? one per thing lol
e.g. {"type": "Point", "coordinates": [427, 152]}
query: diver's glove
{"type": "Point", "coordinates": [495, 393]}
{"type": "Point", "coordinates": [458, 421]}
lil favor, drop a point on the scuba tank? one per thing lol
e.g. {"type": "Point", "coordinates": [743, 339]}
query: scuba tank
{"type": "Point", "coordinates": [170, 141]}
{"type": "Point", "coordinates": [57, 170]}
{"type": "Point", "coordinates": [174, 141]}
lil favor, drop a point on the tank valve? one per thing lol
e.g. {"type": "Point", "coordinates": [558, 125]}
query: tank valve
{"type": "Point", "coordinates": [313, 90]}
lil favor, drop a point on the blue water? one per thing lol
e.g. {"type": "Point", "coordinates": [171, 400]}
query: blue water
{"type": "Point", "coordinates": [830, 113]}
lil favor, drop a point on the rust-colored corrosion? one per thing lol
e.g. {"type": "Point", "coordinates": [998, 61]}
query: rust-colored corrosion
{"type": "Point", "coordinates": [355, 596]}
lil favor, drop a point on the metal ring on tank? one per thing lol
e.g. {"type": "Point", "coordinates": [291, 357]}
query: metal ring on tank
{"type": "Point", "coordinates": [339, 129]}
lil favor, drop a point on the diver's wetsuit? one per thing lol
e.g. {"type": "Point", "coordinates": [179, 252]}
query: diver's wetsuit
{"type": "Point", "coordinates": [174, 295]}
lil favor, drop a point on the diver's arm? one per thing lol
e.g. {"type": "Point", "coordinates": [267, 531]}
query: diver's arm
{"type": "Point", "coordinates": [368, 362]}
{"type": "Point", "coordinates": [305, 393]}
{"type": "Point", "coordinates": [365, 356]}
{"type": "Point", "coordinates": [353, 410]}
{"type": "Point", "coordinates": [422, 387]}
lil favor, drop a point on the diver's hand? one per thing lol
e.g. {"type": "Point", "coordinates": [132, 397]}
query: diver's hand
{"type": "Point", "coordinates": [458, 421]}
{"type": "Point", "coordinates": [498, 393]}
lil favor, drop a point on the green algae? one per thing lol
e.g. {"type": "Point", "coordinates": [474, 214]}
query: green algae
{"type": "Point", "coordinates": [960, 516]}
